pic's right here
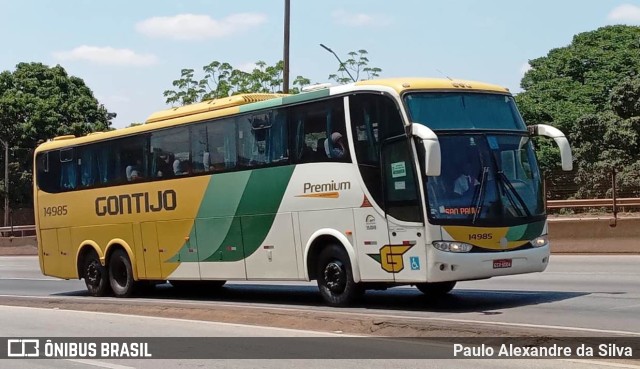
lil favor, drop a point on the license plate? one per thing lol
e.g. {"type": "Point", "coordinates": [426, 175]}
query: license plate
{"type": "Point", "coordinates": [502, 263]}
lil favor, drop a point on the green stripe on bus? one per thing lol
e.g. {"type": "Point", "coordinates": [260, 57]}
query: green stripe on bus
{"type": "Point", "coordinates": [533, 230]}
{"type": "Point", "coordinates": [293, 99]}
{"type": "Point", "coordinates": [255, 214]}
{"type": "Point", "coordinates": [214, 219]}
{"type": "Point", "coordinates": [271, 103]}
{"type": "Point", "coordinates": [525, 232]}
{"type": "Point", "coordinates": [516, 233]}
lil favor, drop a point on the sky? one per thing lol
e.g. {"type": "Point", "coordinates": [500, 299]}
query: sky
{"type": "Point", "coordinates": [129, 51]}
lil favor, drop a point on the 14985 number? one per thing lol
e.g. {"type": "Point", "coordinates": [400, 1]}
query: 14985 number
{"type": "Point", "coordinates": [55, 211]}
{"type": "Point", "coordinates": [480, 236]}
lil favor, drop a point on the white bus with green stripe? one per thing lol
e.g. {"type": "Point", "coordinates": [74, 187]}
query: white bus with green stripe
{"type": "Point", "coordinates": [375, 184]}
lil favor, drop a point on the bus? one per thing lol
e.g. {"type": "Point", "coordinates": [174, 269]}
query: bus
{"type": "Point", "coordinates": [375, 184]}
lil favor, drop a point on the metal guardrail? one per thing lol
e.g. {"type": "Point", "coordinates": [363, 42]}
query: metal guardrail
{"type": "Point", "coordinates": [22, 230]}
{"type": "Point", "coordinates": [592, 203]}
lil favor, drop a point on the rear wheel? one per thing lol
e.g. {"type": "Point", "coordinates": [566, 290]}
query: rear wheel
{"type": "Point", "coordinates": [121, 274]}
{"type": "Point", "coordinates": [95, 275]}
{"type": "Point", "coordinates": [335, 277]}
{"type": "Point", "coordinates": [436, 288]}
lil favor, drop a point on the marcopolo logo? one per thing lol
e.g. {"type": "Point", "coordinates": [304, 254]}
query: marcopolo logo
{"type": "Point", "coordinates": [135, 203]}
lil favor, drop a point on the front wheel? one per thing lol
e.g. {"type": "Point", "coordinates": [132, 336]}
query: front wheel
{"type": "Point", "coordinates": [121, 274]}
{"type": "Point", "coordinates": [335, 277]}
{"type": "Point", "coordinates": [95, 275]}
{"type": "Point", "coordinates": [436, 288]}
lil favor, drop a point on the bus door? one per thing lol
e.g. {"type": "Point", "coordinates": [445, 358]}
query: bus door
{"type": "Point", "coordinates": [405, 256]}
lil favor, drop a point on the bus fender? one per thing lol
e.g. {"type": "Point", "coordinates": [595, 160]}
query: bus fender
{"type": "Point", "coordinates": [127, 248]}
{"type": "Point", "coordinates": [355, 268]}
{"type": "Point", "coordinates": [96, 248]}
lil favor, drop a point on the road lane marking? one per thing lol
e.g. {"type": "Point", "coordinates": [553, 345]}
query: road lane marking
{"type": "Point", "coordinates": [625, 307]}
{"type": "Point", "coordinates": [30, 279]}
{"type": "Point", "coordinates": [100, 364]}
{"type": "Point", "coordinates": [345, 313]}
{"type": "Point", "coordinates": [602, 363]}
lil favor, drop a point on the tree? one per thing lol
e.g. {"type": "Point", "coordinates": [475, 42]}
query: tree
{"type": "Point", "coordinates": [578, 79]}
{"type": "Point", "coordinates": [574, 88]}
{"type": "Point", "coordinates": [221, 79]}
{"type": "Point", "coordinates": [356, 64]}
{"type": "Point", "coordinates": [37, 103]}
{"type": "Point", "coordinates": [610, 141]}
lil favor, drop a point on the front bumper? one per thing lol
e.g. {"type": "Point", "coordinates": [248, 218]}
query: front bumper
{"type": "Point", "coordinates": [446, 266]}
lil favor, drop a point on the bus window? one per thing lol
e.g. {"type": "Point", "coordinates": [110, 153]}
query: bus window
{"type": "Point", "coordinates": [68, 170]}
{"type": "Point", "coordinates": [373, 118]}
{"type": "Point", "coordinates": [96, 165]}
{"type": "Point", "coordinates": [320, 132]}
{"type": "Point", "coordinates": [263, 139]}
{"type": "Point", "coordinates": [48, 171]}
{"type": "Point", "coordinates": [170, 152]}
{"type": "Point", "coordinates": [213, 146]}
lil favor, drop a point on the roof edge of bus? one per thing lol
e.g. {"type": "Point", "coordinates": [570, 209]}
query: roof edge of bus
{"type": "Point", "coordinates": [420, 83]}
{"type": "Point", "coordinates": [210, 105]}
{"type": "Point", "coordinates": [63, 137]}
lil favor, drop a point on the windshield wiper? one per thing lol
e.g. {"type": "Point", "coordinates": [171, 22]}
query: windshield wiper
{"type": "Point", "coordinates": [508, 187]}
{"type": "Point", "coordinates": [479, 194]}
{"type": "Point", "coordinates": [511, 191]}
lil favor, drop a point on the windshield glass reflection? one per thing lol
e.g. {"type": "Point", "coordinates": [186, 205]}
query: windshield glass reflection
{"type": "Point", "coordinates": [486, 179]}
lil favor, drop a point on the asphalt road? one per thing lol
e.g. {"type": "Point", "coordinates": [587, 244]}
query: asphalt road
{"type": "Point", "coordinates": [592, 294]}
{"type": "Point", "coordinates": [36, 322]}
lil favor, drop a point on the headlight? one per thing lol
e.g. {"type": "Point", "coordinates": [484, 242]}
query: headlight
{"type": "Point", "coordinates": [540, 241]}
{"type": "Point", "coordinates": [452, 246]}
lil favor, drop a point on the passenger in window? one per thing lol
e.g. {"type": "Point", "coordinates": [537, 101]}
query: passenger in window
{"type": "Point", "coordinates": [178, 167]}
{"type": "Point", "coordinates": [135, 176]}
{"type": "Point", "coordinates": [133, 167]}
{"type": "Point", "coordinates": [466, 182]}
{"type": "Point", "coordinates": [181, 167]}
{"type": "Point", "coordinates": [164, 168]}
{"type": "Point", "coordinates": [338, 147]}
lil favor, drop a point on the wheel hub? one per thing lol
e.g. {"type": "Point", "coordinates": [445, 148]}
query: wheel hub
{"type": "Point", "coordinates": [93, 273]}
{"type": "Point", "coordinates": [335, 277]}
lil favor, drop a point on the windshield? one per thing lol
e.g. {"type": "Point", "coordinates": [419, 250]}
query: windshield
{"type": "Point", "coordinates": [468, 110]}
{"type": "Point", "coordinates": [486, 179]}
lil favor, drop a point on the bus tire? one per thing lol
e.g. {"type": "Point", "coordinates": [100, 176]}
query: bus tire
{"type": "Point", "coordinates": [437, 288]}
{"type": "Point", "coordinates": [121, 274]}
{"type": "Point", "coordinates": [95, 275]}
{"type": "Point", "coordinates": [335, 277]}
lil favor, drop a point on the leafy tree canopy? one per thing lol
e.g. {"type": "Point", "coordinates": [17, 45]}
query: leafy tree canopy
{"type": "Point", "coordinates": [37, 103]}
{"type": "Point", "coordinates": [220, 79]}
{"type": "Point", "coordinates": [578, 79]}
{"type": "Point", "coordinates": [591, 91]}
{"type": "Point", "coordinates": [356, 66]}
{"type": "Point", "coordinates": [610, 141]}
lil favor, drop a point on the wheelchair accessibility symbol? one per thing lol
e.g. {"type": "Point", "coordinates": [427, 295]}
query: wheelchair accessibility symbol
{"type": "Point", "coordinates": [415, 263]}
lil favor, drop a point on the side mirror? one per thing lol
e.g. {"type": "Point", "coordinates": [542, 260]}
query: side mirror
{"type": "Point", "coordinates": [565, 149]}
{"type": "Point", "coordinates": [432, 156]}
